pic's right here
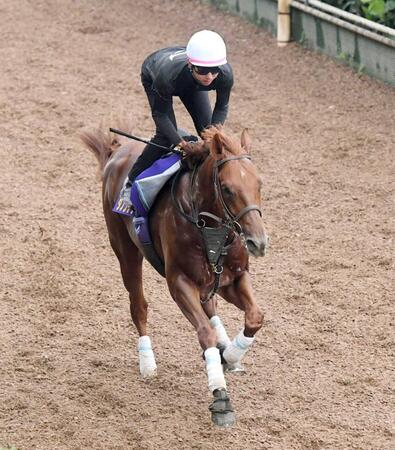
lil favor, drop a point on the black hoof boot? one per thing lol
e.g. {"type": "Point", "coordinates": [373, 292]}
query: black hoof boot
{"type": "Point", "coordinates": [221, 409]}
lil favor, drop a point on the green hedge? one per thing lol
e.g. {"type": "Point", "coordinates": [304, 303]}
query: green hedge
{"type": "Point", "coordinates": [381, 11]}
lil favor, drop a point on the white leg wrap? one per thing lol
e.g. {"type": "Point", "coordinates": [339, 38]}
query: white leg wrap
{"type": "Point", "coordinates": [222, 335]}
{"type": "Point", "coordinates": [238, 347]}
{"type": "Point", "coordinates": [215, 373]}
{"type": "Point", "coordinates": [146, 357]}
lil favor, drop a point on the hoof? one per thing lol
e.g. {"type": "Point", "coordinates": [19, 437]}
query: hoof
{"type": "Point", "coordinates": [147, 363]}
{"type": "Point", "coordinates": [147, 368]}
{"type": "Point", "coordinates": [224, 420]}
{"type": "Point", "coordinates": [148, 373]}
{"type": "Point", "coordinates": [222, 413]}
{"type": "Point", "coordinates": [234, 368]}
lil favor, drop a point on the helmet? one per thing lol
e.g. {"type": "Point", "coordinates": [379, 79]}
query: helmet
{"type": "Point", "coordinates": [206, 48]}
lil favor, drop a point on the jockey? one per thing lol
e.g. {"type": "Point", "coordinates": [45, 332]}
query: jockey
{"type": "Point", "coordinates": [188, 73]}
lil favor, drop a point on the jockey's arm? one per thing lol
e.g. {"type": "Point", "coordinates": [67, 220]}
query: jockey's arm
{"type": "Point", "coordinates": [162, 108]}
{"type": "Point", "coordinates": [221, 106]}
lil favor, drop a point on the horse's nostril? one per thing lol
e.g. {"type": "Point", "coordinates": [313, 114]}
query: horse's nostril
{"type": "Point", "coordinates": [257, 248]}
{"type": "Point", "coordinates": [252, 247]}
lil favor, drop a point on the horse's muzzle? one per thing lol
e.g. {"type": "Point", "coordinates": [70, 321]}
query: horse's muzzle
{"type": "Point", "coordinates": [257, 246]}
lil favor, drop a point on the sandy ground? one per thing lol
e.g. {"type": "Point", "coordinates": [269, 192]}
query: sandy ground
{"type": "Point", "coordinates": [320, 375]}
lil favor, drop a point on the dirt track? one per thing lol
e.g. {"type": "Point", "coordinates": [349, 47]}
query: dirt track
{"type": "Point", "coordinates": [320, 375]}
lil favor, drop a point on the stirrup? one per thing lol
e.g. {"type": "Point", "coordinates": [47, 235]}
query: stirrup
{"type": "Point", "coordinates": [124, 204]}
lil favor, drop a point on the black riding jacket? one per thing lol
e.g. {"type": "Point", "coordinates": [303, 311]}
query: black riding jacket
{"type": "Point", "coordinates": [167, 74]}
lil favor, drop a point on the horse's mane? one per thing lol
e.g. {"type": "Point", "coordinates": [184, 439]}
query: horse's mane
{"type": "Point", "coordinates": [215, 134]}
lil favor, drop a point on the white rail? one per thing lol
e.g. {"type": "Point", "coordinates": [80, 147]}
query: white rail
{"type": "Point", "coordinates": [344, 24]}
{"type": "Point", "coordinates": [349, 16]}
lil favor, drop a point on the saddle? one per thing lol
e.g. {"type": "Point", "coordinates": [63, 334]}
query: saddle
{"type": "Point", "coordinates": [145, 190]}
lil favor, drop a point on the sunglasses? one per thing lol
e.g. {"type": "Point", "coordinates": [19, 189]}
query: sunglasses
{"type": "Point", "coordinates": [200, 70]}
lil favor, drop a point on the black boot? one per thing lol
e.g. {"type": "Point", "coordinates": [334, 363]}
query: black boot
{"type": "Point", "coordinates": [148, 156]}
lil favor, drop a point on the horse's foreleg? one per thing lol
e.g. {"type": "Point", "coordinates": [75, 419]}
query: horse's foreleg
{"type": "Point", "coordinates": [210, 308]}
{"type": "Point", "coordinates": [241, 295]}
{"type": "Point", "coordinates": [187, 297]}
{"type": "Point", "coordinates": [131, 260]}
{"type": "Point", "coordinates": [222, 336]}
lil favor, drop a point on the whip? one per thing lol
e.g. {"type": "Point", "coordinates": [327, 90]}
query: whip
{"type": "Point", "coordinates": [136, 138]}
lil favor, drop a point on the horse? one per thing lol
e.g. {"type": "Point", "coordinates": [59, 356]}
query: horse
{"type": "Point", "coordinates": [218, 201]}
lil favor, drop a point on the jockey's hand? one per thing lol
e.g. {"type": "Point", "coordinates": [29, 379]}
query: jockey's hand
{"type": "Point", "coordinates": [190, 138]}
{"type": "Point", "coordinates": [187, 147]}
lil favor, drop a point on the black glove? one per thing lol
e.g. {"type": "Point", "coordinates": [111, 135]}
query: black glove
{"type": "Point", "coordinates": [190, 138]}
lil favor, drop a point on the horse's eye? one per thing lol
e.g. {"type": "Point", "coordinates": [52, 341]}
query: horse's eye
{"type": "Point", "coordinates": [226, 190]}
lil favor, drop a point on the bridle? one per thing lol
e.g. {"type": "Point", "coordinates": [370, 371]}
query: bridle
{"type": "Point", "coordinates": [230, 221]}
{"type": "Point", "coordinates": [231, 218]}
{"type": "Point", "coordinates": [215, 238]}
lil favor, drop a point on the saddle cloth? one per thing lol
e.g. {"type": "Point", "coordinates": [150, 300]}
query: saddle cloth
{"type": "Point", "coordinates": [144, 191]}
{"type": "Point", "coordinates": [147, 186]}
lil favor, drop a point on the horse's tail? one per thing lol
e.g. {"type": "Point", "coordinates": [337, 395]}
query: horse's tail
{"type": "Point", "coordinates": [100, 144]}
{"type": "Point", "coordinates": [103, 144]}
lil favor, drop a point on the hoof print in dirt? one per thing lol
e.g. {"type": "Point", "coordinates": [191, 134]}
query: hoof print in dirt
{"type": "Point", "coordinates": [221, 409]}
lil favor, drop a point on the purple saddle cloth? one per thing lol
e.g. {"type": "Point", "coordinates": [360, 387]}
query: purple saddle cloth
{"type": "Point", "coordinates": [144, 191]}
{"type": "Point", "coordinates": [148, 184]}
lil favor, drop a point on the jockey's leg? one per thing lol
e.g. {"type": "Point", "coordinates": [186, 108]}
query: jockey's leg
{"type": "Point", "coordinates": [151, 153]}
{"type": "Point", "coordinates": [148, 156]}
{"type": "Point", "coordinates": [240, 294]}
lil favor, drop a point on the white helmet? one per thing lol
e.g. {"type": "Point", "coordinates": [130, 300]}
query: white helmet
{"type": "Point", "coordinates": [206, 48]}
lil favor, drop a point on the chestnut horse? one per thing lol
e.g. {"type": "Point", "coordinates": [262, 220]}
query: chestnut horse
{"type": "Point", "coordinates": [221, 195]}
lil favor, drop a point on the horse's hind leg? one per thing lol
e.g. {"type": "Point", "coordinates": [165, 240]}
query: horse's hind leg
{"type": "Point", "coordinates": [131, 263]}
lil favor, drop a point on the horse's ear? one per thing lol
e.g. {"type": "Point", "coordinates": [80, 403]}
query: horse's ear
{"type": "Point", "coordinates": [246, 140]}
{"type": "Point", "coordinates": [217, 145]}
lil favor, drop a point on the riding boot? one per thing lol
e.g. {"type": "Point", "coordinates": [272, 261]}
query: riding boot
{"type": "Point", "coordinates": [148, 156]}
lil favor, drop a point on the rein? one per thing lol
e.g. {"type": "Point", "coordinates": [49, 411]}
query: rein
{"type": "Point", "coordinates": [215, 238]}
